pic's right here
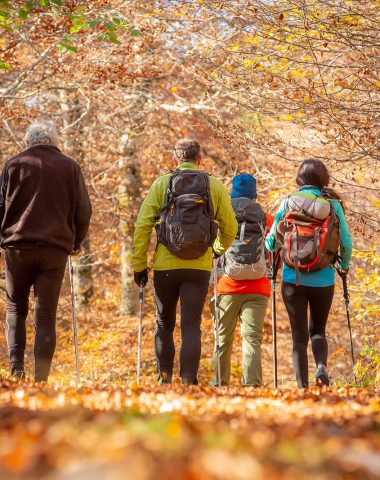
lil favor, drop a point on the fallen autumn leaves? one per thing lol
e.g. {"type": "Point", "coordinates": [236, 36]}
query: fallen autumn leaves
{"type": "Point", "coordinates": [196, 433]}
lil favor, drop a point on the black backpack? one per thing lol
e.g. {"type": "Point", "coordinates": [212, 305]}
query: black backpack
{"type": "Point", "coordinates": [186, 226]}
{"type": "Point", "coordinates": [246, 257]}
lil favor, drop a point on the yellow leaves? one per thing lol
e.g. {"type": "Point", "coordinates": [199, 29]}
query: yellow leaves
{"type": "Point", "coordinates": [292, 37]}
{"type": "Point", "coordinates": [297, 73]}
{"type": "Point", "coordinates": [377, 84]}
{"type": "Point", "coordinates": [359, 178]}
{"type": "Point", "coordinates": [253, 40]}
{"type": "Point", "coordinates": [234, 47]}
{"type": "Point", "coordinates": [173, 88]}
{"type": "Point", "coordinates": [375, 405]}
{"type": "Point", "coordinates": [173, 428]}
{"type": "Point", "coordinates": [248, 63]}
{"type": "Point", "coordinates": [376, 203]}
{"type": "Point", "coordinates": [273, 195]}
{"type": "Point", "coordinates": [288, 117]}
{"type": "Point", "coordinates": [307, 99]}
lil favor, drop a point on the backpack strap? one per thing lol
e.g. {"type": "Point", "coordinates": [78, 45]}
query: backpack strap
{"type": "Point", "coordinates": [263, 223]}
{"type": "Point", "coordinates": [242, 231]}
{"type": "Point", "coordinates": [317, 234]}
{"type": "Point", "coordinates": [295, 258]}
{"type": "Point", "coordinates": [168, 191]}
{"type": "Point", "coordinates": [210, 205]}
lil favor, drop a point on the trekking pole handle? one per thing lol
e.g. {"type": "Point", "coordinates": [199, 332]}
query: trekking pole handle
{"type": "Point", "coordinates": [276, 261]}
{"type": "Point", "coordinates": [343, 276]}
{"type": "Point", "coordinates": [141, 293]}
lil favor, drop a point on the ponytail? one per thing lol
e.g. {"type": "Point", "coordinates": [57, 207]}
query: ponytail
{"type": "Point", "coordinates": [331, 194]}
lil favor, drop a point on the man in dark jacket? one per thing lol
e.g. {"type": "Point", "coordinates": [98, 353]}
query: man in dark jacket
{"type": "Point", "coordinates": [45, 213]}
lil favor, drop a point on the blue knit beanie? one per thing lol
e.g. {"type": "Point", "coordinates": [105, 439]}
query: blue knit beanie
{"type": "Point", "coordinates": [244, 185]}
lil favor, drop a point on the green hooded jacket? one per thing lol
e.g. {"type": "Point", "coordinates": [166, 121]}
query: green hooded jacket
{"type": "Point", "coordinates": [150, 212]}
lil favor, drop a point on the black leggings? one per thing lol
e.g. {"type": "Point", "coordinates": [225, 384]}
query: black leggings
{"type": "Point", "coordinates": [43, 268]}
{"type": "Point", "coordinates": [297, 299]}
{"type": "Point", "coordinates": [190, 287]}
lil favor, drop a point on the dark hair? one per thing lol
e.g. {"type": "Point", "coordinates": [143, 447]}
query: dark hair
{"type": "Point", "coordinates": [187, 150]}
{"type": "Point", "coordinates": [313, 172]}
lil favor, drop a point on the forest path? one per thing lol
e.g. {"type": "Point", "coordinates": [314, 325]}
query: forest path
{"type": "Point", "coordinates": [110, 425]}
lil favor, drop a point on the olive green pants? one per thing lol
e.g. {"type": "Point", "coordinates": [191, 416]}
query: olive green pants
{"type": "Point", "coordinates": [250, 308]}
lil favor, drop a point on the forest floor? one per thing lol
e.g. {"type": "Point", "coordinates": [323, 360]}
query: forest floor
{"type": "Point", "coordinates": [111, 428]}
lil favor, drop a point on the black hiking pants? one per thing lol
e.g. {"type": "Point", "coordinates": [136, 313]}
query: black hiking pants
{"type": "Point", "coordinates": [190, 287]}
{"type": "Point", "coordinates": [298, 299]}
{"type": "Point", "coordinates": [43, 268]}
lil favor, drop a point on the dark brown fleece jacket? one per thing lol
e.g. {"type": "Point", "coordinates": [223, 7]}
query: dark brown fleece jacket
{"type": "Point", "coordinates": [43, 200]}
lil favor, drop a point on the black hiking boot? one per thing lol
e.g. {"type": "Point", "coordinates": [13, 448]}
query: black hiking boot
{"type": "Point", "coordinates": [189, 380]}
{"type": "Point", "coordinates": [165, 378]}
{"type": "Point", "coordinates": [19, 374]}
{"type": "Point", "coordinates": [17, 370]}
{"type": "Point", "coordinates": [322, 376]}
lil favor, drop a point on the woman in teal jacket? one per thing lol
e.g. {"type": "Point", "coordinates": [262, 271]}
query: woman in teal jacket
{"type": "Point", "coordinates": [315, 290]}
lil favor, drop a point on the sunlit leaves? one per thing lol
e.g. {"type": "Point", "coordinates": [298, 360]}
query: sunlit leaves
{"type": "Point", "coordinates": [104, 25]}
{"type": "Point", "coordinates": [288, 117]}
{"type": "Point", "coordinates": [66, 45]}
{"type": "Point", "coordinates": [206, 433]}
{"type": "Point", "coordinates": [4, 65]}
{"type": "Point", "coordinates": [297, 73]}
{"type": "Point", "coordinates": [307, 99]}
{"type": "Point", "coordinates": [23, 14]}
{"type": "Point", "coordinates": [134, 32]}
{"type": "Point", "coordinates": [79, 23]}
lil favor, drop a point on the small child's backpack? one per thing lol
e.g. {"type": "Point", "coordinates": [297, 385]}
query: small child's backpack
{"type": "Point", "coordinates": [245, 259]}
{"type": "Point", "coordinates": [186, 225]}
{"type": "Point", "coordinates": [308, 233]}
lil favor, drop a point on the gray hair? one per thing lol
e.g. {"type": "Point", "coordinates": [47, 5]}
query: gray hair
{"type": "Point", "coordinates": [41, 133]}
{"type": "Point", "coordinates": [187, 150]}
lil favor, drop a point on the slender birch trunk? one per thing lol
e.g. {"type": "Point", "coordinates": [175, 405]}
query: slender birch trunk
{"type": "Point", "coordinates": [72, 146]}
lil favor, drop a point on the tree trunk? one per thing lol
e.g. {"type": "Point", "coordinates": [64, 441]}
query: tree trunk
{"type": "Point", "coordinates": [129, 194]}
{"type": "Point", "coordinates": [129, 197]}
{"type": "Point", "coordinates": [72, 146]}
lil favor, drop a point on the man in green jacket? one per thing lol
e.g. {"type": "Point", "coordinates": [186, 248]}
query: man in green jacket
{"type": "Point", "coordinates": [177, 278]}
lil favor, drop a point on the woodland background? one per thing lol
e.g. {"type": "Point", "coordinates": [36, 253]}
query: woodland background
{"type": "Point", "coordinates": [261, 85]}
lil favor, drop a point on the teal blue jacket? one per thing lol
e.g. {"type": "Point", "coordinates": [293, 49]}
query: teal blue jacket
{"type": "Point", "coordinates": [321, 278]}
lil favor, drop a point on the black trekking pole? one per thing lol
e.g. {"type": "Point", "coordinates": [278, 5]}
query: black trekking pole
{"type": "Point", "coordinates": [141, 298]}
{"type": "Point", "coordinates": [74, 320]}
{"type": "Point", "coordinates": [216, 320]}
{"type": "Point", "coordinates": [276, 260]}
{"type": "Point", "coordinates": [346, 295]}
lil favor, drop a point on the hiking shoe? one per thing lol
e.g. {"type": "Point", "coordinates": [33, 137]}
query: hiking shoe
{"type": "Point", "coordinates": [18, 372]}
{"type": "Point", "coordinates": [214, 383]}
{"type": "Point", "coordinates": [322, 376]}
{"type": "Point", "coordinates": [164, 377]}
{"type": "Point", "coordinates": [189, 380]}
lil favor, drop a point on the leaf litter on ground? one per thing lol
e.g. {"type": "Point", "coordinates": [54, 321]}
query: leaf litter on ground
{"type": "Point", "coordinates": [150, 431]}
